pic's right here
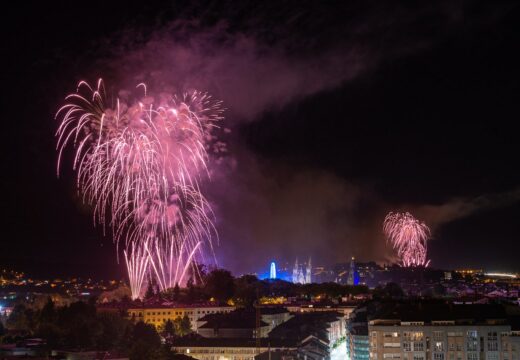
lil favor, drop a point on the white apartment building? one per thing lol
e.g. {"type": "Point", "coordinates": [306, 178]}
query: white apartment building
{"type": "Point", "coordinates": [442, 340]}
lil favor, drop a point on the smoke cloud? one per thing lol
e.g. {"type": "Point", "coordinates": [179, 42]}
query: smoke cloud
{"type": "Point", "coordinates": [457, 208]}
{"type": "Point", "coordinates": [265, 208]}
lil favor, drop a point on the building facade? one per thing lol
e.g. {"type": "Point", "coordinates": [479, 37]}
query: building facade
{"type": "Point", "coordinates": [357, 340]}
{"type": "Point", "coordinates": [441, 340]}
{"type": "Point", "coordinates": [229, 349]}
{"type": "Point", "coordinates": [302, 273]}
{"type": "Point", "coordinates": [158, 314]}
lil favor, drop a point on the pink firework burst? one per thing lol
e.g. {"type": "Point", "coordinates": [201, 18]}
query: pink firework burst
{"type": "Point", "coordinates": [139, 161]}
{"type": "Point", "coordinates": [408, 237]}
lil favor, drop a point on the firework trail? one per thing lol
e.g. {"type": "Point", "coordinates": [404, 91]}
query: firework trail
{"type": "Point", "coordinates": [139, 161]}
{"type": "Point", "coordinates": [408, 237]}
{"type": "Point", "coordinates": [137, 261]}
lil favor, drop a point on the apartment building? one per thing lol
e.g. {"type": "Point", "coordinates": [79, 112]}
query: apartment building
{"type": "Point", "coordinates": [439, 331]}
{"type": "Point", "coordinates": [157, 314]}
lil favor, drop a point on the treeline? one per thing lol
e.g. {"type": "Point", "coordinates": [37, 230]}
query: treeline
{"type": "Point", "coordinates": [221, 286]}
{"type": "Point", "coordinates": [79, 326]}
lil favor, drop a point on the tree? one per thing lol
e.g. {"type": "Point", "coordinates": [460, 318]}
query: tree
{"type": "Point", "coordinates": [79, 324]}
{"type": "Point", "coordinates": [391, 290]}
{"type": "Point", "coordinates": [439, 290]}
{"type": "Point", "coordinates": [190, 285]}
{"type": "Point", "coordinates": [150, 292]}
{"type": "Point", "coordinates": [185, 326]}
{"type": "Point", "coordinates": [176, 292]}
{"type": "Point", "coordinates": [220, 285]}
{"type": "Point", "coordinates": [182, 325]}
{"type": "Point", "coordinates": [126, 340]}
{"type": "Point", "coordinates": [169, 328]}
{"type": "Point", "coordinates": [198, 272]}
{"type": "Point", "coordinates": [48, 312]}
{"type": "Point", "coordinates": [246, 290]}
{"type": "Point", "coordinates": [21, 319]}
{"type": "Point", "coordinates": [112, 330]}
{"type": "Point", "coordinates": [146, 343]}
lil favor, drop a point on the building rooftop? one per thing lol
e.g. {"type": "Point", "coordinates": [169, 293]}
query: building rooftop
{"type": "Point", "coordinates": [160, 304]}
{"type": "Point", "coordinates": [196, 341]}
{"type": "Point", "coordinates": [238, 319]}
{"type": "Point", "coordinates": [305, 324]}
{"type": "Point", "coordinates": [273, 310]}
{"type": "Point", "coordinates": [431, 311]}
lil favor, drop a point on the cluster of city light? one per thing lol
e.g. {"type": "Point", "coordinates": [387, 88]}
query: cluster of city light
{"type": "Point", "coordinates": [502, 275]}
{"type": "Point", "coordinates": [408, 237]}
{"type": "Point", "coordinates": [139, 160]}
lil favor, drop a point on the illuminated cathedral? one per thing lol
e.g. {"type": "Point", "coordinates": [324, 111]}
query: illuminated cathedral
{"type": "Point", "coordinates": [302, 273]}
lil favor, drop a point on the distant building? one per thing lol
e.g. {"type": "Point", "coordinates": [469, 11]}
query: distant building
{"type": "Point", "coordinates": [357, 336]}
{"type": "Point", "coordinates": [157, 314]}
{"type": "Point", "coordinates": [365, 273]}
{"type": "Point", "coordinates": [327, 326]}
{"type": "Point", "coordinates": [249, 349]}
{"type": "Point", "coordinates": [309, 336]}
{"type": "Point", "coordinates": [353, 275]}
{"type": "Point", "coordinates": [272, 271]}
{"type": "Point", "coordinates": [242, 323]}
{"type": "Point", "coordinates": [343, 309]}
{"type": "Point", "coordinates": [310, 348]}
{"type": "Point", "coordinates": [302, 274]}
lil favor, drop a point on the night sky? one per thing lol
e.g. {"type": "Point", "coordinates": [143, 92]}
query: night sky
{"type": "Point", "coordinates": [339, 112]}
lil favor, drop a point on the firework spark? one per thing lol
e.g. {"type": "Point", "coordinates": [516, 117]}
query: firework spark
{"type": "Point", "coordinates": [408, 237]}
{"type": "Point", "coordinates": [138, 163]}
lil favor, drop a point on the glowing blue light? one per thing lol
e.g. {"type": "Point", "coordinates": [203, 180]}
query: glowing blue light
{"type": "Point", "coordinates": [272, 271]}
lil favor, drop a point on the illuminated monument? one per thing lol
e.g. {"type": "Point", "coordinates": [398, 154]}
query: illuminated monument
{"type": "Point", "coordinates": [300, 274]}
{"type": "Point", "coordinates": [272, 271]}
{"type": "Point", "coordinates": [353, 275]}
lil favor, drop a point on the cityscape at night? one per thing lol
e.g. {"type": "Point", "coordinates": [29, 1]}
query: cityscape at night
{"type": "Point", "coordinates": [269, 180]}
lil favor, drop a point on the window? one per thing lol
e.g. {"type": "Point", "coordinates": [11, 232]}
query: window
{"type": "Point", "coordinates": [418, 346]}
{"type": "Point", "coordinates": [472, 356]}
{"type": "Point", "coordinates": [418, 357]}
{"type": "Point", "coordinates": [472, 334]}
{"type": "Point", "coordinates": [438, 356]}
{"type": "Point", "coordinates": [407, 346]}
{"type": "Point", "coordinates": [492, 356]}
{"type": "Point", "coordinates": [492, 339]}
{"type": "Point", "coordinates": [391, 356]}
{"type": "Point", "coordinates": [390, 334]}
{"type": "Point", "coordinates": [472, 346]}
{"type": "Point", "coordinates": [438, 335]}
{"type": "Point", "coordinates": [452, 356]}
{"type": "Point", "coordinates": [492, 345]}
{"type": "Point", "coordinates": [438, 346]}
{"type": "Point", "coordinates": [414, 335]}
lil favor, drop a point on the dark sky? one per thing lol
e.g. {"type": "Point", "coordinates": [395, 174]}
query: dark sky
{"type": "Point", "coordinates": [339, 112]}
